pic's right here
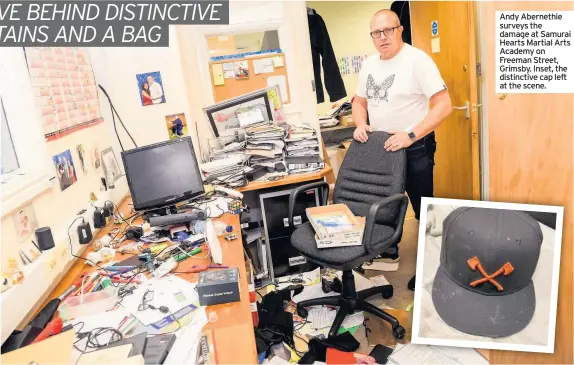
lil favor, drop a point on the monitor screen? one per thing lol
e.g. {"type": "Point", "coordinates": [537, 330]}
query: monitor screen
{"type": "Point", "coordinates": [162, 174]}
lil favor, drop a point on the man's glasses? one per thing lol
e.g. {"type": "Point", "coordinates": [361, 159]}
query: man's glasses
{"type": "Point", "coordinates": [386, 31]}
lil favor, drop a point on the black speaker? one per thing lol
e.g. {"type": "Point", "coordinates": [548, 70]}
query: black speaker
{"type": "Point", "coordinates": [45, 238]}
{"type": "Point", "coordinates": [99, 219]}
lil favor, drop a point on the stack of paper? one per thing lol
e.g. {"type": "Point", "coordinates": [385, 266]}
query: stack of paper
{"type": "Point", "coordinates": [302, 141]}
{"type": "Point", "coordinates": [227, 171]}
{"type": "Point", "coordinates": [234, 149]}
{"type": "Point", "coordinates": [265, 143]}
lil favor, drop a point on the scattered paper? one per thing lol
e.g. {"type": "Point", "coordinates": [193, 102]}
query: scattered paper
{"type": "Point", "coordinates": [321, 317]}
{"type": "Point", "coordinates": [278, 61]}
{"type": "Point", "coordinates": [217, 69]}
{"type": "Point", "coordinates": [281, 82]}
{"type": "Point", "coordinates": [379, 280]}
{"type": "Point", "coordinates": [310, 292]}
{"type": "Point", "coordinates": [263, 65]}
{"type": "Point", "coordinates": [187, 340]}
{"type": "Point", "coordinates": [435, 45]}
{"type": "Point", "coordinates": [381, 266]}
{"type": "Point", "coordinates": [419, 354]}
{"type": "Point", "coordinates": [355, 319]}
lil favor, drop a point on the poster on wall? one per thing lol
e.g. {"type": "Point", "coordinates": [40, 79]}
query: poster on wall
{"type": "Point", "coordinates": [110, 165]}
{"type": "Point", "coordinates": [81, 156]}
{"type": "Point", "coordinates": [25, 222]}
{"type": "Point", "coordinates": [150, 88]}
{"type": "Point", "coordinates": [176, 126]}
{"type": "Point", "coordinates": [65, 169]}
{"type": "Point", "coordinates": [65, 89]}
{"type": "Point", "coordinates": [96, 158]}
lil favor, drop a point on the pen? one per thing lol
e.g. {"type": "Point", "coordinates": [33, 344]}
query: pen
{"type": "Point", "coordinates": [184, 256]}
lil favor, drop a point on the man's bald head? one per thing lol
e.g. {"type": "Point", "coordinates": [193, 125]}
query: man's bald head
{"type": "Point", "coordinates": [387, 32]}
{"type": "Point", "coordinates": [387, 15]}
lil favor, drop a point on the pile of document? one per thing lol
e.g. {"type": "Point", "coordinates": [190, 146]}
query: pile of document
{"type": "Point", "coordinates": [302, 153]}
{"type": "Point", "coordinates": [330, 119]}
{"type": "Point", "coordinates": [265, 144]}
{"type": "Point", "coordinates": [228, 171]}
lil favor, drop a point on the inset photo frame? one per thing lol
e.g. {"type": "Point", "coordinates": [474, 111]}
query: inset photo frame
{"type": "Point", "coordinates": [110, 164]}
{"type": "Point", "coordinates": [487, 275]}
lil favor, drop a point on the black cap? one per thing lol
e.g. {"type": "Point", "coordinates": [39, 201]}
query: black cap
{"type": "Point", "coordinates": [483, 285]}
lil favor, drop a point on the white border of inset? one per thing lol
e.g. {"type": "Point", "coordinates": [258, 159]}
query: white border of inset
{"type": "Point", "coordinates": [549, 348]}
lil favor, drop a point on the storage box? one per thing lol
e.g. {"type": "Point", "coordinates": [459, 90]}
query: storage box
{"type": "Point", "coordinates": [336, 226]}
{"type": "Point", "coordinates": [342, 151]}
{"type": "Point", "coordinates": [218, 286]}
{"type": "Point", "coordinates": [346, 121]}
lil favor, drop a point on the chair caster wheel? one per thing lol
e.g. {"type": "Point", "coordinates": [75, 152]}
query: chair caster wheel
{"type": "Point", "coordinates": [302, 312]}
{"type": "Point", "coordinates": [399, 332]}
{"type": "Point", "coordinates": [388, 292]}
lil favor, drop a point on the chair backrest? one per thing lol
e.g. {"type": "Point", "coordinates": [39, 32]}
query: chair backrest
{"type": "Point", "coordinates": [368, 174]}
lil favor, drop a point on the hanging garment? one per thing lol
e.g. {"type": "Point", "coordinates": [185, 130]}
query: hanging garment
{"type": "Point", "coordinates": [403, 11]}
{"type": "Point", "coordinates": [322, 52]}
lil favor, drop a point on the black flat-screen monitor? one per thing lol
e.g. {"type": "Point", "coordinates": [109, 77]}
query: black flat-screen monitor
{"type": "Point", "coordinates": [162, 174]}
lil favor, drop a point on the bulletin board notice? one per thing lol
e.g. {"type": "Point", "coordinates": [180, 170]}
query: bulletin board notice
{"type": "Point", "coordinates": [64, 88]}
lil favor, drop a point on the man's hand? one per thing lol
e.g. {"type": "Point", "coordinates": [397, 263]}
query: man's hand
{"type": "Point", "coordinates": [397, 141]}
{"type": "Point", "coordinates": [360, 133]}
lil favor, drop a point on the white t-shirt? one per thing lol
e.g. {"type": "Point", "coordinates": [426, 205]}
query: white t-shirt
{"type": "Point", "coordinates": [398, 90]}
{"type": "Point", "coordinates": [155, 92]}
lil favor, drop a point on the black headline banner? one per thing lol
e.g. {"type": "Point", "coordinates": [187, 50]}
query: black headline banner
{"type": "Point", "coordinates": [102, 23]}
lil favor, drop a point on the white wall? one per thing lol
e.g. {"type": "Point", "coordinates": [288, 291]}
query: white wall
{"type": "Point", "coordinates": [116, 70]}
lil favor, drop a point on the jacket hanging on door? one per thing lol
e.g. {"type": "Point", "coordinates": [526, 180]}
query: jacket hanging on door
{"type": "Point", "coordinates": [322, 50]}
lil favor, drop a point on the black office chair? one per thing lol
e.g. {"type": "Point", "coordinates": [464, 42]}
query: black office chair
{"type": "Point", "coordinates": [371, 182]}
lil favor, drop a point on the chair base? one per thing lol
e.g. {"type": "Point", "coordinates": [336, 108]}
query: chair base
{"type": "Point", "coordinates": [356, 301]}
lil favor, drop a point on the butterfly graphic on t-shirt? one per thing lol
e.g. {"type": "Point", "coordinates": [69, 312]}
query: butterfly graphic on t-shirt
{"type": "Point", "coordinates": [374, 90]}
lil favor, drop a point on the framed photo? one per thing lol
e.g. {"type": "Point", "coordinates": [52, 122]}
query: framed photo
{"type": "Point", "coordinates": [110, 164]}
{"type": "Point", "coordinates": [235, 114]}
{"type": "Point", "coordinates": [65, 169]}
{"type": "Point", "coordinates": [150, 88]}
{"type": "Point", "coordinates": [176, 126]}
{"type": "Point", "coordinates": [82, 156]}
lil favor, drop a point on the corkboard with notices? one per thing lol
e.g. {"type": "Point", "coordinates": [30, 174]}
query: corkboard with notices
{"type": "Point", "coordinates": [238, 76]}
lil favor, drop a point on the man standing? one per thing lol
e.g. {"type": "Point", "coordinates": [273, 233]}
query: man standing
{"type": "Point", "coordinates": [395, 87]}
{"type": "Point", "coordinates": [155, 90]}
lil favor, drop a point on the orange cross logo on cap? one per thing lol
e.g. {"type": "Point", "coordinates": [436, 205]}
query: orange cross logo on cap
{"type": "Point", "coordinates": [474, 263]}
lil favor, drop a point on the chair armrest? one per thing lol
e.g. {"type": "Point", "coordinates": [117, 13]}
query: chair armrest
{"type": "Point", "coordinates": [372, 215]}
{"type": "Point", "coordinates": [324, 191]}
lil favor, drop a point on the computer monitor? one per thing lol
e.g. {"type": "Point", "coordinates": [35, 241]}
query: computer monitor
{"type": "Point", "coordinates": [162, 174]}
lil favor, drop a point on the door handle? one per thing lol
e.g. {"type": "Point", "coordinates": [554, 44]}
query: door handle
{"type": "Point", "coordinates": [465, 108]}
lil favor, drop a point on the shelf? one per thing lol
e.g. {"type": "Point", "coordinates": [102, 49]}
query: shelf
{"type": "Point", "coordinates": [336, 128]}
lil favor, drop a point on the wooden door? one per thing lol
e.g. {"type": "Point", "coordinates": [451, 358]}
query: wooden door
{"type": "Point", "coordinates": [530, 161]}
{"type": "Point", "coordinates": [457, 158]}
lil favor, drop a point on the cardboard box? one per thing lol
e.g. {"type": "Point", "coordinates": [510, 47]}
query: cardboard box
{"type": "Point", "coordinates": [336, 226]}
{"type": "Point", "coordinates": [346, 121]}
{"type": "Point", "coordinates": [342, 151]}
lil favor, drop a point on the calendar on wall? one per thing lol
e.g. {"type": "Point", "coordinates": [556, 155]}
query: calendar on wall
{"type": "Point", "coordinates": [65, 89]}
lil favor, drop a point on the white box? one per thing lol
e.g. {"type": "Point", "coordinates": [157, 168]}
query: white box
{"type": "Point", "coordinates": [338, 237]}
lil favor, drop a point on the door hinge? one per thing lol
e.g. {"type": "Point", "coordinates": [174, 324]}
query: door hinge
{"type": "Point", "coordinates": [478, 69]}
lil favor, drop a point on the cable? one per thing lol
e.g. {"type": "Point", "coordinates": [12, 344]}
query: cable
{"type": "Point", "coordinates": [114, 120]}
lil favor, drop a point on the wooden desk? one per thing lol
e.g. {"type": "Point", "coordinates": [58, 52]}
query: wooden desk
{"type": "Point", "coordinates": [287, 180]}
{"type": "Point", "coordinates": [233, 332]}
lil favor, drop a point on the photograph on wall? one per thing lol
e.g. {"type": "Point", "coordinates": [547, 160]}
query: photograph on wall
{"type": "Point", "coordinates": [25, 222]}
{"type": "Point", "coordinates": [82, 156]}
{"type": "Point", "coordinates": [65, 169]}
{"type": "Point", "coordinates": [96, 158]}
{"type": "Point", "coordinates": [487, 275]}
{"type": "Point", "coordinates": [110, 164]}
{"type": "Point", "coordinates": [176, 126]}
{"type": "Point", "coordinates": [150, 88]}
{"type": "Point", "coordinates": [241, 69]}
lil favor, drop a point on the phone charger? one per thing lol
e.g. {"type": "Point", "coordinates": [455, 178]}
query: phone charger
{"type": "Point", "coordinates": [85, 233]}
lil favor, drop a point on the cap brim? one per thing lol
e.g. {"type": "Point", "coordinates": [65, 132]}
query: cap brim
{"type": "Point", "coordinates": [482, 315]}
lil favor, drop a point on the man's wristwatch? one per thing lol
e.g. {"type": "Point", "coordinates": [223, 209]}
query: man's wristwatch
{"type": "Point", "coordinates": [412, 136]}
